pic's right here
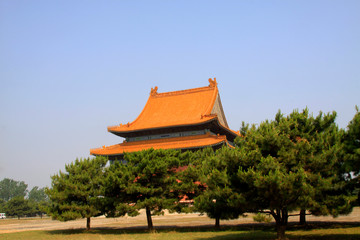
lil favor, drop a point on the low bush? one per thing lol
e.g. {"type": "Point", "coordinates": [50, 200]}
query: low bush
{"type": "Point", "coordinates": [260, 217]}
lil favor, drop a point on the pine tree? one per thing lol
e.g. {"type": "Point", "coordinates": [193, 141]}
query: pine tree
{"type": "Point", "coordinates": [152, 180]}
{"type": "Point", "coordinates": [18, 206]}
{"type": "Point", "coordinates": [117, 202]}
{"type": "Point", "coordinates": [217, 200]}
{"type": "Point", "coordinates": [292, 163]}
{"type": "Point", "coordinates": [77, 192]}
{"type": "Point", "coordinates": [352, 152]}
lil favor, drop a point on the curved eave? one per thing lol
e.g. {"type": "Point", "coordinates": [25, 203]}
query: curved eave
{"type": "Point", "coordinates": [212, 123]}
{"type": "Point", "coordinates": [230, 134]}
{"type": "Point", "coordinates": [123, 133]}
{"type": "Point", "coordinates": [183, 143]}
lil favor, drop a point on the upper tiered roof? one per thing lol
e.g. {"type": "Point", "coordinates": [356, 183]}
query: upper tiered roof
{"type": "Point", "coordinates": [179, 108]}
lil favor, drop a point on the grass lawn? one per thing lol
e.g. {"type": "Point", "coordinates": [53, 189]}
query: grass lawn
{"type": "Point", "coordinates": [326, 232]}
{"type": "Point", "coordinates": [22, 220]}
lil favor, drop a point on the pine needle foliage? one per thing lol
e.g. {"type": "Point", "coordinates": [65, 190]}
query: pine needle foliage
{"type": "Point", "coordinates": [18, 206]}
{"type": "Point", "coordinates": [352, 152]}
{"type": "Point", "coordinates": [216, 170]}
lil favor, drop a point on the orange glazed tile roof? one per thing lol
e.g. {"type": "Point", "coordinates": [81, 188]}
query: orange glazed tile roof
{"type": "Point", "coordinates": [189, 142]}
{"type": "Point", "coordinates": [178, 108]}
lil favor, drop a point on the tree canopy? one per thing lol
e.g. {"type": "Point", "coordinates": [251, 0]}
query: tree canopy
{"type": "Point", "coordinates": [18, 206]}
{"type": "Point", "coordinates": [352, 144]}
{"type": "Point", "coordinates": [352, 151]}
{"type": "Point", "coordinates": [218, 199]}
{"type": "Point", "coordinates": [10, 188]}
{"type": "Point", "coordinates": [29, 203]}
{"type": "Point", "coordinates": [37, 194]}
{"type": "Point", "coordinates": [150, 180]}
{"type": "Point", "coordinates": [39, 200]}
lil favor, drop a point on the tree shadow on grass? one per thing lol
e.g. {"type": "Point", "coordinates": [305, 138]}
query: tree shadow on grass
{"type": "Point", "coordinates": [163, 229]}
{"type": "Point", "coordinates": [245, 231]}
{"type": "Point", "coordinates": [243, 234]}
{"type": "Point", "coordinates": [258, 236]}
{"type": "Point", "coordinates": [322, 225]}
{"type": "Point", "coordinates": [269, 232]}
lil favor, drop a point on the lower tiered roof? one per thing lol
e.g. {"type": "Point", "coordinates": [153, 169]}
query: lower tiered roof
{"type": "Point", "coordinates": [189, 142]}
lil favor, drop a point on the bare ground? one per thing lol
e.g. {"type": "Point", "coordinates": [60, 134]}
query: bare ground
{"type": "Point", "coordinates": [168, 220]}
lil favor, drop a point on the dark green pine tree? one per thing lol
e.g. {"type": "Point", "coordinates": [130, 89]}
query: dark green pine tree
{"type": "Point", "coordinates": [318, 141]}
{"type": "Point", "coordinates": [189, 185]}
{"type": "Point", "coordinates": [352, 152]}
{"type": "Point", "coordinates": [152, 181]}
{"type": "Point", "coordinates": [77, 192]}
{"type": "Point", "coordinates": [117, 202]}
{"type": "Point", "coordinates": [217, 200]}
{"type": "Point", "coordinates": [291, 164]}
{"type": "Point", "coordinates": [18, 206]}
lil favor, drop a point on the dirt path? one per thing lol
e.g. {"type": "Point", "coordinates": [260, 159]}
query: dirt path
{"type": "Point", "coordinates": [168, 220]}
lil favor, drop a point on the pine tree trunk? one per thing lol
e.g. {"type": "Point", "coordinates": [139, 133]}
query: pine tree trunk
{"type": "Point", "coordinates": [281, 219]}
{"type": "Point", "coordinates": [149, 220]}
{"type": "Point", "coordinates": [217, 222]}
{"type": "Point", "coordinates": [88, 223]}
{"type": "Point", "coordinates": [280, 229]}
{"type": "Point", "coordinates": [302, 217]}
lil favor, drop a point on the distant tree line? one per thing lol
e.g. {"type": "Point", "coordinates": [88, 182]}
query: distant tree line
{"type": "Point", "coordinates": [16, 200]}
{"type": "Point", "coordinates": [293, 165]}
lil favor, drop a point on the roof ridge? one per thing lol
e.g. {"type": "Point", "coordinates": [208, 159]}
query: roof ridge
{"type": "Point", "coordinates": [212, 85]}
{"type": "Point", "coordinates": [180, 92]}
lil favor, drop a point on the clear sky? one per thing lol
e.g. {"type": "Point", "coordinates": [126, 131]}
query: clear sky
{"type": "Point", "coordinates": [69, 69]}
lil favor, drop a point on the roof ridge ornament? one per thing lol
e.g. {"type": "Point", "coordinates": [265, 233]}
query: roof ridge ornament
{"type": "Point", "coordinates": [213, 83]}
{"type": "Point", "coordinates": [153, 91]}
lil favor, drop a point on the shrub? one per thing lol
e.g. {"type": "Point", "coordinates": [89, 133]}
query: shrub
{"type": "Point", "coordinates": [260, 217]}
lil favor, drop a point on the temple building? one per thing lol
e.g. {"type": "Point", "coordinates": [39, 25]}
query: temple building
{"type": "Point", "coordinates": [188, 120]}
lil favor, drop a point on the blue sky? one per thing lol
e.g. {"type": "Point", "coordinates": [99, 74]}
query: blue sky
{"type": "Point", "coordinates": [69, 69]}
